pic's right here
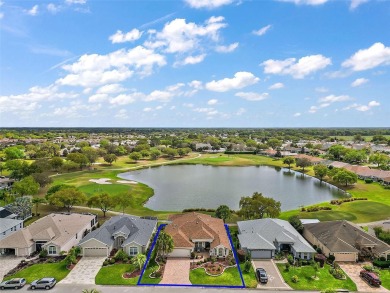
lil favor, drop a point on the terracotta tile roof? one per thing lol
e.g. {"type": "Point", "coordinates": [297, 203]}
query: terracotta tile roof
{"type": "Point", "coordinates": [186, 227]}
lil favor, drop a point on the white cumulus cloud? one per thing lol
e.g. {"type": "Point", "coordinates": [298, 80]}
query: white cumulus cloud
{"type": "Point", "coordinates": [262, 31]}
{"type": "Point", "coordinates": [209, 4]}
{"type": "Point", "coordinates": [276, 86]}
{"type": "Point", "coordinates": [33, 11]}
{"type": "Point", "coordinates": [356, 3]}
{"type": "Point", "coordinates": [359, 82]}
{"type": "Point", "coordinates": [212, 102]}
{"type": "Point", "coordinates": [251, 96]}
{"type": "Point", "coordinates": [363, 108]}
{"type": "Point", "coordinates": [120, 37]}
{"type": "Point", "coordinates": [306, 2]}
{"type": "Point", "coordinates": [334, 98]}
{"type": "Point", "coordinates": [297, 114]}
{"type": "Point", "coordinates": [240, 80]}
{"type": "Point", "coordinates": [296, 68]}
{"type": "Point", "coordinates": [227, 49]}
{"type": "Point", "coordinates": [371, 57]}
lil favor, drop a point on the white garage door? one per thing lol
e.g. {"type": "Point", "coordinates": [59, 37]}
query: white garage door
{"type": "Point", "coordinates": [260, 254]}
{"type": "Point", "coordinates": [95, 251]}
{"type": "Point", "coordinates": [345, 256]}
{"type": "Point", "coordinates": [180, 252]}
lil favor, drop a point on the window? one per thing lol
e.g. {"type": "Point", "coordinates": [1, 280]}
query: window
{"type": "Point", "coordinates": [220, 252]}
{"type": "Point", "coordinates": [52, 250]}
{"type": "Point", "coordinates": [133, 251]}
{"type": "Point", "coordinates": [76, 235]}
{"type": "Point", "coordinates": [20, 225]}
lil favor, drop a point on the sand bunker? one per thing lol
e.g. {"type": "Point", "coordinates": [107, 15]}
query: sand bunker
{"type": "Point", "coordinates": [127, 182]}
{"type": "Point", "coordinates": [101, 181]}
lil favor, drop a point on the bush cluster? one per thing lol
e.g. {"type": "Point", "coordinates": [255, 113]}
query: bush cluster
{"type": "Point", "coordinates": [295, 279]}
{"type": "Point", "coordinates": [343, 200]}
{"type": "Point", "coordinates": [198, 210]}
{"type": "Point", "coordinates": [316, 209]}
{"type": "Point", "coordinates": [383, 264]}
{"type": "Point", "coordinates": [121, 255]}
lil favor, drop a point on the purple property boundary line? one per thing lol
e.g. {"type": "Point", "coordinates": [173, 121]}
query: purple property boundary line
{"type": "Point", "coordinates": [186, 285]}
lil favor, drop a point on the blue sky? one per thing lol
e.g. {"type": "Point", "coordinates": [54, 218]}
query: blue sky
{"type": "Point", "coordinates": [195, 63]}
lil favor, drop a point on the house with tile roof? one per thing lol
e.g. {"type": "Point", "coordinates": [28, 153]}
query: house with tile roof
{"type": "Point", "coordinates": [195, 232]}
{"type": "Point", "coordinates": [345, 240]}
{"type": "Point", "coordinates": [130, 233]}
{"type": "Point", "coordinates": [56, 232]}
{"type": "Point", "coordinates": [262, 238]}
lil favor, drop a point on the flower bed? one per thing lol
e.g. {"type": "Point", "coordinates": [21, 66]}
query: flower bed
{"type": "Point", "coordinates": [133, 274]}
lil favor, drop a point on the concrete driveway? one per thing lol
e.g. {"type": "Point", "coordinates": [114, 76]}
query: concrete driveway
{"type": "Point", "coordinates": [177, 271]}
{"type": "Point", "coordinates": [275, 279]}
{"type": "Point", "coordinates": [8, 263]}
{"type": "Point", "coordinates": [85, 271]}
{"type": "Point", "coordinates": [353, 271]}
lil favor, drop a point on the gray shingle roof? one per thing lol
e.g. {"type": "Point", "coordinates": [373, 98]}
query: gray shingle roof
{"type": "Point", "coordinates": [6, 224]}
{"type": "Point", "coordinates": [343, 236]}
{"type": "Point", "coordinates": [134, 228]}
{"type": "Point", "coordinates": [263, 232]}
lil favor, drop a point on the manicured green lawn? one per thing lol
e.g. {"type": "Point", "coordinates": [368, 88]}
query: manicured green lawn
{"type": "Point", "coordinates": [306, 282]}
{"type": "Point", "coordinates": [112, 275]}
{"type": "Point", "coordinates": [152, 266]}
{"type": "Point", "coordinates": [249, 278]}
{"type": "Point", "coordinates": [55, 270]}
{"type": "Point", "coordinates": [385, 278]}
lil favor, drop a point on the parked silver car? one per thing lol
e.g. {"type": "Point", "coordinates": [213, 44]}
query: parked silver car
{"type": "Point", "coordinates": [16, 283]}
{"type": "Point", "coordinates": [44, 283]}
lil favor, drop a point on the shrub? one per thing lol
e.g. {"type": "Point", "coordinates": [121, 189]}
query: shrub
{"type": "Point", "coordinates": [331, 258]}
{"type": "Point", "coordinates": [295, 279]}
{"type": "Point", "coordinates": [77, 250]}
{"type": "Point", "coordinates": [241, 255]}
{"type": "Point", "coordinates": [192, 255]}
{"type": "Point", "coordinates": [319, 250]}
{"type": "Point", "coordinates": [287, 266]}
{"type": "Point", "coordinates": [247, 266]}
{"type": "Point", "coordinates": [382, 264]}
{"type": "Point", "coordinates": [105, 263]}
{"type": "Point", "coordinates": [368, 180]}
{"type": "Point", "coordinates": [290, 259]}
{"type": "Point", "coordinates": [157, 274]}
{"type": "Point", "coordinates": [125, 260]}
{"type": "Point", "coordinates": [232, 262]}
{"type": "Point", "coordinates": [43, 253]}
{"type": "Point", "coordinates": [112, 261]}
{"type": "Point", "coordinates": [120, 255]}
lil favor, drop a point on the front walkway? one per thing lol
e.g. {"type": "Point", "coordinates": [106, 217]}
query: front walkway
{"type": "Point", "coordinates": [177, 271]}
{"type": "Point", "coordinates": [85, 271]}
{"type": "Point", "coordinates": [353, 271]}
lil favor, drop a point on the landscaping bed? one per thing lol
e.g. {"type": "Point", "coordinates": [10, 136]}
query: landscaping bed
{"type": "Point", "coordinates": [306, 281]}
{"type": "Point", "coordinates": [230, 277]}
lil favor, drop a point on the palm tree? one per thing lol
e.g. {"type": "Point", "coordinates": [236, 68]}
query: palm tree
{"type": "Point", "coordinates": [164, 244]}
{"type": "Point", "coordinates": [140, 260]}
{"type": "Point", "coordinates": [36, 201]}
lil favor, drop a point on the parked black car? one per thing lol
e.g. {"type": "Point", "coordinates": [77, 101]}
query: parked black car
{"type": "Point", "coordinates": [261, 275]}
{"type": "Point", "coordinates": [371, 278]}
{"type": "Point", "coordinates": [16, 283]}
{"type": "Point", "coordinates": [44, 283]}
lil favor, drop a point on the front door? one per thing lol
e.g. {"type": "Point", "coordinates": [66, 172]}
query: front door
{"type": "Point", "coordinates": [220, 252]}
{"type": "Point", "coordinates": [198, 246]}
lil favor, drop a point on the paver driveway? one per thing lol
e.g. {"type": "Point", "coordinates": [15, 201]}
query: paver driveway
{"type": "Point", "coordinates": [353, 271]}
{"type": "Point", "coordinates": [85, 271]}
{"type": "Point", "coordinates": [275, 279]}
{"type": "Point", "coordinates": [177, 271]}
{"type": "Point", "coordinates": [7, 263]}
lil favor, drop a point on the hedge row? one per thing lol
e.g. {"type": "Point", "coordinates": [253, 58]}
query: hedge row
{"type": "Point", "coordinates": [316, 209]}
{"type": "Point", "coordinates": [343, 200]}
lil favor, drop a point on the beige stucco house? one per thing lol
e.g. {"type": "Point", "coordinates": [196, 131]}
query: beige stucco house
{"type": "Point", "coordinates": [56, 232]}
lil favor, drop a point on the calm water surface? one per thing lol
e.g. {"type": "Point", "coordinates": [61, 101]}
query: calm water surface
{"type": "Point", "coordinates": [189, 186]}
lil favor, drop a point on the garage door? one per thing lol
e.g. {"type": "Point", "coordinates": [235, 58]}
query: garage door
{"type": "Point", "coordinates": [95, 251]}
{"type": "Point", "coordinates": [259, 253]}
{"type": "Point", "coordinates": [180, 252]}
{"type": "Point", "coordinates": [345, 256]}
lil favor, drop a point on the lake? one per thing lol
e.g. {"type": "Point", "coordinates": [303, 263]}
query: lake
{"type": "Point", "coordinates": [199, 186]}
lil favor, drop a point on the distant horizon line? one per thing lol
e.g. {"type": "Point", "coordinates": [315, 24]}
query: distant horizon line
{"type": "Point", "coordinates": [194, 127]}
